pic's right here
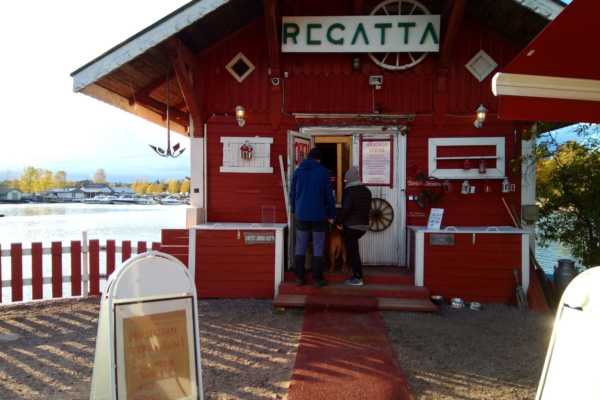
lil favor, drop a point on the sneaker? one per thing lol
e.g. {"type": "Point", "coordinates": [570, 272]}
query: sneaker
{"type": "Point", "coordinates": [320, 283]}
{"type": "Point", "coordinates": [354, 282]}
{"type": "Point", "coordinates": [300, 282]}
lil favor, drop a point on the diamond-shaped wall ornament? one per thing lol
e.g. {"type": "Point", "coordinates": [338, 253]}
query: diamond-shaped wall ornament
{"type": "Point", "coordinates": [240, 67]}
{"type": "Point", "coordinates": [481, 65]}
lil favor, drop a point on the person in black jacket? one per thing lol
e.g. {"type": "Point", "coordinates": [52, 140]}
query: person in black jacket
{"type": "Point", "coordinates": [354, 221]}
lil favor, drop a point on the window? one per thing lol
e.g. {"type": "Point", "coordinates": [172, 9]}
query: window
{"type": "Point", "coordinates": [467, 158]}
{"type": "Point", "coordinates": [240, 67]}
{"type": "Point", "coordinates": [247, 154]}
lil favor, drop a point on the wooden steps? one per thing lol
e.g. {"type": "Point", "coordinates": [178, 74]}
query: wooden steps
{"type": "Point", "coordinates": [352, 303]}
{"type": "Point", "coordinates": [376, 275]}
{"type": "Point", "coordinates": [368, 290]}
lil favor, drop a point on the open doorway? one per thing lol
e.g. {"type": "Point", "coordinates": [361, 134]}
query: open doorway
{"type": "Point", "coordinates": [337, 158]}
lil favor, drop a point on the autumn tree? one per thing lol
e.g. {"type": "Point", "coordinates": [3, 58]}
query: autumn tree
{"type": "Point", "coordinates": [173, 186]}
{"type": "Point", "coordinates": [60, 179]}
{"type": "Point", "coordinates": [28, 180]}
{"type": "Point", "coordinates": [568, 186]}
{"type": "Point", "coordinates": [185, 186]}
{"type": "Point", "coordinates": [100, 176]}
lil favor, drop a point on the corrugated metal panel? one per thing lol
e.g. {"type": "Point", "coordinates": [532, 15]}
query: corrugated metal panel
{"type": "Point", "coordinates": [387, 247]}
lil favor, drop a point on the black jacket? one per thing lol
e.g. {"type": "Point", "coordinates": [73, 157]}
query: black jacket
{"type": "Point", "coordinates": [356, 205]}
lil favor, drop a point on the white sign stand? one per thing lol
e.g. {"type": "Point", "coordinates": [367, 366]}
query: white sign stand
{"type": "Point", "coordinates": [148, 332]}
{"type": "Point", "coordinates": [435, 218]}
{"type": "Point", "coordinates": [571, 367]}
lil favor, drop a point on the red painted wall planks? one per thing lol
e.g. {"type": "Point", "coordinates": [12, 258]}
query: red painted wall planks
{"type": "Point", "coordinates": [94, 250]}
{"type": "Point", "coordinates": [37, 283]}
{"type": "Point", "coordinates": [16, 261]}
{"type": "Point", "coordinates": [75, 268]}
{"type": "Point", "coordinates": [227, 267]}
{"type": "Point", "coordinates": [480, 271]}
{"type": "Point", "coordinates": [56, 251]}
{"type": "Point", "coordinates": [125, 250]}
{"type": "Point", "coordinates": [110, 257]}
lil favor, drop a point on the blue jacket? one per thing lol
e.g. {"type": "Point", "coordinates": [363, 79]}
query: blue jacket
{"type": "Point", "coordinates": [311, 196]}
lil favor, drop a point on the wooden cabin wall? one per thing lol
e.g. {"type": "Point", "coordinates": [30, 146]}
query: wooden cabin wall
{"type": "Point", "coordinates": [326, 83]}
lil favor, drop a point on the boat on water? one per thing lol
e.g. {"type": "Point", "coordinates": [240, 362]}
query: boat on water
{"type": "Point", "coordinates": [145, 201]}
{"type": "Point", "coordinates": [126, 199]}
{"type": "Point", "coordinates": [101, 199]}
{"type": "Point", "coordinates": [171, 200]}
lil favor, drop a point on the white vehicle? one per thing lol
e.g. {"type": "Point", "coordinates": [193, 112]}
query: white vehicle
{"type": "Point", "coordinates": [171, 200]}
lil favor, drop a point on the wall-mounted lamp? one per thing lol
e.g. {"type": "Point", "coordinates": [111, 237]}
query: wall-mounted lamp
{"type": "Point", "coordinates": [240, 115]}
{"type": "Point", "coordinates": [480, 115]}
{"type": "Point", "coordinates": [356, 63]}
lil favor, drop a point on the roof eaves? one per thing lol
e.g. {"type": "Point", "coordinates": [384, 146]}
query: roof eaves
{"type": "Point", "coordinates": [143, 41]}
{"type": "Point", "coordinates": [548, 9]}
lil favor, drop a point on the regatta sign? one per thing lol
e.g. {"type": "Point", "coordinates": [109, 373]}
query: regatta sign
{"type": "Point", "coordinates": [361, 34]}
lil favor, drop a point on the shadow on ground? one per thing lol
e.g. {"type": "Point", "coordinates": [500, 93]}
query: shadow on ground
{"type": "Point", "coordinates": [47, 350]}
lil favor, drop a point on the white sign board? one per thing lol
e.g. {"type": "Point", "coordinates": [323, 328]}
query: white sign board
{"type": "Point", "coordinates": [147, 345]}
{"type": "Point", "coordinates": [376, 162]}
{"type": "Point", "coordinates": [361, 34]}
{"type": "Point", "coordinates": [571, 367]}
{"type": "Point", "coordinates": [435, 218]}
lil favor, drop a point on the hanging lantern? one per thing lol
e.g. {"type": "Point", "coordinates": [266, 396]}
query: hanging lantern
{"type": "Point", "coordinates": [246, 151]}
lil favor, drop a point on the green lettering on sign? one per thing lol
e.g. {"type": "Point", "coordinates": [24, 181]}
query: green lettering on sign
{"type": "Point", "coordinates": [382, 27]}
{"type": "Point", "coordinates": [430, 30]}
{"type": "Point", "coordinates": [290, 30]}
{"type": "Point", "coordinates": [309, 40]}
{"type": "Point", "coordinates": [330, 38]}
{"type": "Point", "coordinates": [360, 29]}
{"type": "Point", "coordinates": [406, 26]}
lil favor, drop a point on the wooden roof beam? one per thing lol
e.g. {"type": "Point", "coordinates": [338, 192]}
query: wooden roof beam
{"type": "Point", "coordinates": [185, 65]}
{"type": "Point", "coordinates": [147, 90]}
{"type": "Point", "coordinates": [161, 108]}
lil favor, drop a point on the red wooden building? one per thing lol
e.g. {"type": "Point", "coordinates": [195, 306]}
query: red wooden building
{"type": "Point", "coordinates": [392, 87]}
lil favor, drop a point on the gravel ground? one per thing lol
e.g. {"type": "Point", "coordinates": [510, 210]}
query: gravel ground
{"type": "Point", "coordinates": [47, 349]}
{"type": "Point", "coordinates": [497, 353]}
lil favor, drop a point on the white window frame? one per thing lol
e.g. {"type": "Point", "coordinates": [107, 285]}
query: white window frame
{"type": "Point", "coordinates": [472, 173]}
{"type": "Point", "coordinates": [247, 169]}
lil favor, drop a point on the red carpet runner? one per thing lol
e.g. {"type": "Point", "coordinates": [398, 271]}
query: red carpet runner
{"type": "Point", "coordinates": [346, 355]}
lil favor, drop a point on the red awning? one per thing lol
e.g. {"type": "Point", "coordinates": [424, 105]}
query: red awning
{"type": "Point", "coordinates": [556, 78]}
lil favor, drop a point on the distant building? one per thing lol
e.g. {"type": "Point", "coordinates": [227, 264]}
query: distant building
{"type": "Point", "coordinates": [7, 194]}
{"type": "Point", "coordinates": [68, 194]}
{"type": "Point", "coordinates": [120, 190]}
{"type": "Point", "coordinates": [96, 189]}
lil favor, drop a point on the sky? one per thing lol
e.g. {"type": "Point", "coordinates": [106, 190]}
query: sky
{"type": "Point", "coordinates": [44, 123]}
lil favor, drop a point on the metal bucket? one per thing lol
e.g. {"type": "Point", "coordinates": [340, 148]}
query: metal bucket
{"type": "Point", "coordinates": [563, 275]}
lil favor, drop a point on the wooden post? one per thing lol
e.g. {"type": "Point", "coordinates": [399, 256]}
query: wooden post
{"type": "Point", "coordinates": [56, 251]}
{"type": "Point", "coordinates": [75, 268]}
{"type": "Point", "coordinates": [110, 257]}
{"type": "Point", "coordinates": [95, 267]}
{"type": "Point", "coordinates": [16, 273]}
{"type": "Point", "coordinates": [84, 264]}
{"type": "Point", "coordinates": [141, 247]}
{"type": "Point", "coordinates": [125, 250]}
{"type": "Point", "coordinates": [37, 279]}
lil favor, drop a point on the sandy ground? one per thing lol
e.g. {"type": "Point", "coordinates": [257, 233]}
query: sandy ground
{"type": "Point", "coordinates": [248, 350]}
{"type": "Point", "coordinates": [497, 353]}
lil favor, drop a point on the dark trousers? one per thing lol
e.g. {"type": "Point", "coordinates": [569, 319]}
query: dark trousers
{"type": "Point", "coordinates": [304, 231]}
{"type": "Point", "coordinates": [351, 237]}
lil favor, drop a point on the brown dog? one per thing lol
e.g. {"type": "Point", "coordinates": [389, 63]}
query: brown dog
{"type": "Point", "coordinates": [336, 248]}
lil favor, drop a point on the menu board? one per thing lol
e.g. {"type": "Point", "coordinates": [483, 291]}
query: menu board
{"type": "Point", "coordinates": [157, 355]}
{"type": "Point", "coordinates": [376, 162]}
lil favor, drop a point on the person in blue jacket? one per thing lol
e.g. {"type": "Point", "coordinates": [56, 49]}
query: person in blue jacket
{"type": "Point", "coordinates": [313, 206]}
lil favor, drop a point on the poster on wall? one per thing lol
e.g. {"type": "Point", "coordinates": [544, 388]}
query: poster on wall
{"type": "Point", "coordinates": [376, 162]}
{"type": "Point", "coordinates": [301, 149]}
{"type": "Point", "coordinates": [155, 348]}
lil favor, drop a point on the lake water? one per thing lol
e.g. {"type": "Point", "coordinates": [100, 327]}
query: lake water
{"type": "Point", "coordinates": [26, 223]}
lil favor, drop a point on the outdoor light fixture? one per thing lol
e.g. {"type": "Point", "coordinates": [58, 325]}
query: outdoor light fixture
{"type": "Point", "coordinates": [480, 115]}
{"type": "Point", "coordinates": [240, 115]}
{"type": "Point", "coordinates": [356, 63]}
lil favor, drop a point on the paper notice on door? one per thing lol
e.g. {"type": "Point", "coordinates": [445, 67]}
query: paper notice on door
{"type": "Point", "coordinates": [376, 164]}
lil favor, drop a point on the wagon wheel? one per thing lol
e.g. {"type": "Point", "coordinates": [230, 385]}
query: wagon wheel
{"type": "Point", "coordinates": [381, 215]}
{"type": "Point", "coordinates": [398, 61]}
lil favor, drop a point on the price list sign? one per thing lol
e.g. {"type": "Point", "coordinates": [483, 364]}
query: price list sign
{"type": "Point", "coordinates": [376, 162]}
